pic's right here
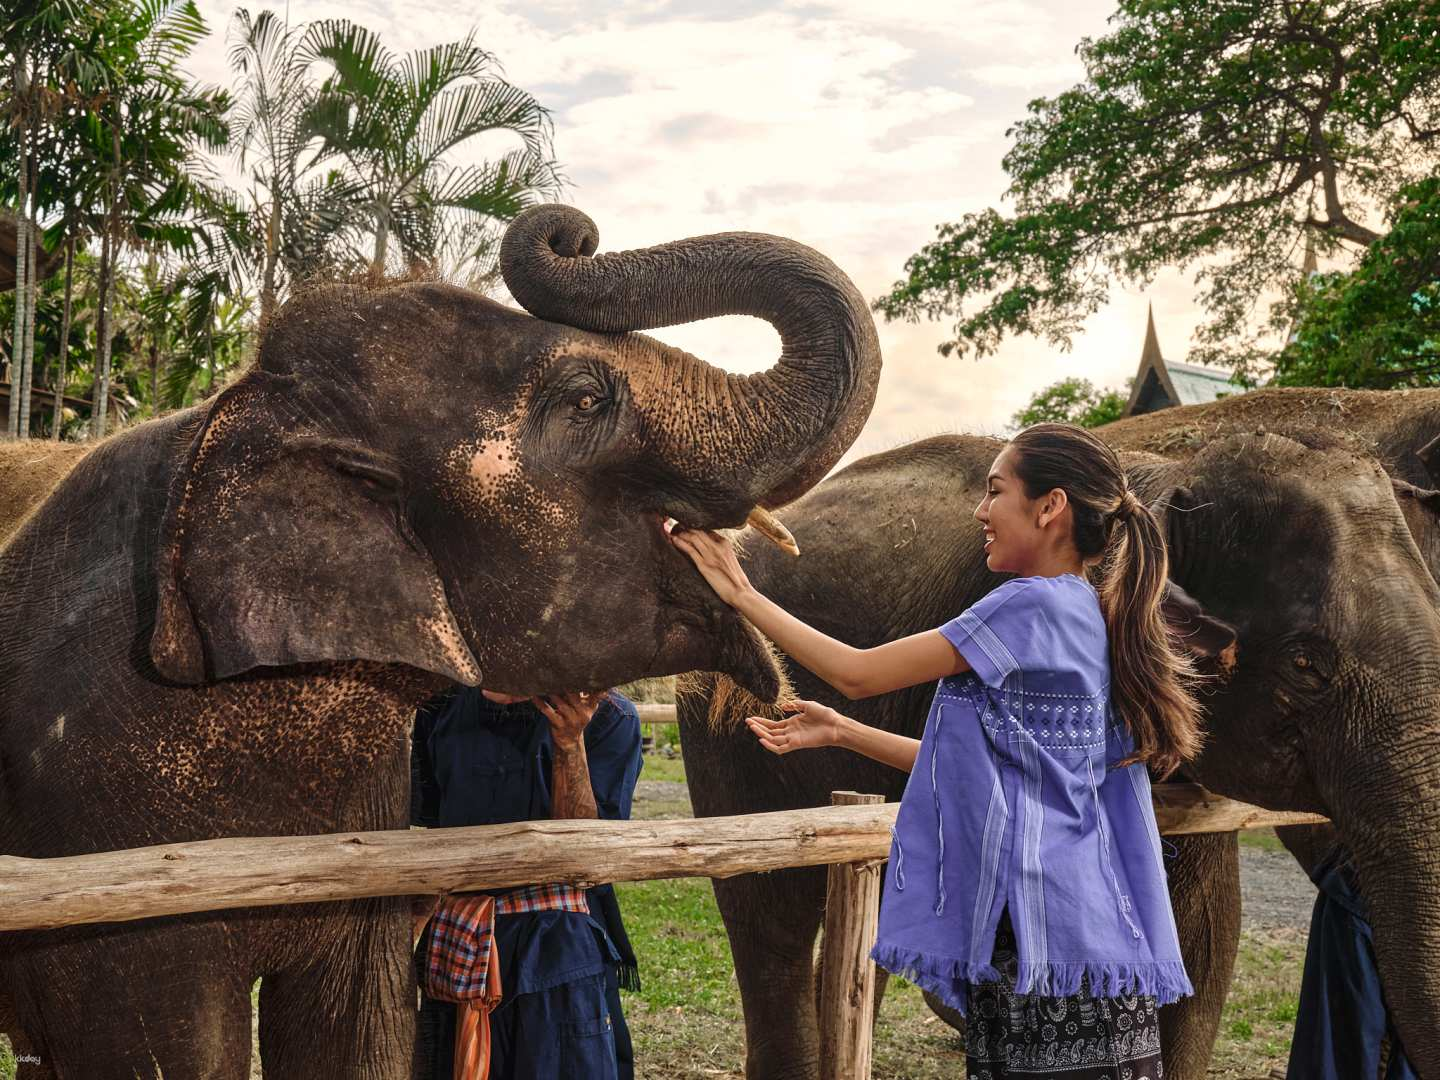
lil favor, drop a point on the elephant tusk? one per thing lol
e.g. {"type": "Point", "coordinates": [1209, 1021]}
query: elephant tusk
{"type": "Point", "coordinates": [768, 526]}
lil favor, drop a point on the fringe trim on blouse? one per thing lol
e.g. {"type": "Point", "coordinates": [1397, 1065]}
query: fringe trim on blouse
{"type": "Point", "coordinates": [946, 979]}
{"type": "Point", "coordinates": [949, 979]}
{"type": "Point", "coordinates": [1166, 982]}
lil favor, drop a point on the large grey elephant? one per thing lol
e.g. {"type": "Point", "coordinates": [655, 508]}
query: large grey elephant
{"type": "Point", "coordinates": [1293, 550]}
{"type": "Point", "coordinates": [221, 622]}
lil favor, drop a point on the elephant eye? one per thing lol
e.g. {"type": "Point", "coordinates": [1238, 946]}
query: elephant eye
{"type": "Point", "coordinates": [586, 402]}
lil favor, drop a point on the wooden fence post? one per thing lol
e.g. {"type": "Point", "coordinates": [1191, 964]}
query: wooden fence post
{"type": "Point", "coordinates": [847, 975]}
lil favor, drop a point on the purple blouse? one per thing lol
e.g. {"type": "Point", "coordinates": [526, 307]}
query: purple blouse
{"type": "Point", "coordinates": [1015, 802]}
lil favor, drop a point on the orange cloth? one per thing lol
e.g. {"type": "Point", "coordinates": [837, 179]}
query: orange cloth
{"type": "Point", "coordinates": [472, 1017]}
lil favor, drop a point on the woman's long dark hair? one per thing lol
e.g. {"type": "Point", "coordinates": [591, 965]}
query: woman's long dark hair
{"type": "Point", "coordinates": [1149, 679]}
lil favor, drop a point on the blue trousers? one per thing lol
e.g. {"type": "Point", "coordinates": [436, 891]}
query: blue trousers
{"type": "Point", "coordinates": [572, 1031]}
{"type": "Point", "coordinates": [1342, 1020]}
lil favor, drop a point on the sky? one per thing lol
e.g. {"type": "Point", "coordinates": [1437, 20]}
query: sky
{"type": "Point", "coordinates": [855, 126]}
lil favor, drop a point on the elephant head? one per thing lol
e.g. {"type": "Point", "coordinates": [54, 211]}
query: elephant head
{"type": "Point", "coordinates": [416, 474]}
{"type": "Point", "coordinates": [1333, 704]}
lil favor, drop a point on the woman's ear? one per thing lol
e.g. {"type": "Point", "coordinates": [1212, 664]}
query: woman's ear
{"type": "Point", "coordinates": [1052, 506]}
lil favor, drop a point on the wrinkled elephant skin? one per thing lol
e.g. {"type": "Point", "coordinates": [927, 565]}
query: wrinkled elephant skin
{"type": "Point", "coordinates": [220, 623]}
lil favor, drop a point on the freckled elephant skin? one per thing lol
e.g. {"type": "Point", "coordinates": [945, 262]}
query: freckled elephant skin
{"type": "Point", "coordinates": [1267, 534]}
{"type": "Point", "coordinates": [220, 623]}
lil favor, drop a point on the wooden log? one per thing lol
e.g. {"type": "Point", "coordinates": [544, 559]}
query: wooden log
{"type": "Point", "coordinates": [847, 974]}
{"type": "Point", "coordinates": [241, 872]}
{"type": "Point", "coordinates": [171, 879]}
{"type": "Point", "coordinates": [1181, 809]}
{"type": "Point", "coordinates": [656, 713]}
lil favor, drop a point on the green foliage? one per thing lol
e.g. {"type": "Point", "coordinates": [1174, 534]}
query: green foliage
{"type": "Point", "coordinates": [1202, 135]}
{"type": "Point", "coordinates": [394, 121]}
{"type": "Point", "coordinates": [659, 767]}
{"type": "Point", "coordinates": [1072, 401]}
{"type": "Point", "coordinates": [338, 170]}
{"type": "Point", "coordinates": [685, 960]}
{"type": "Point", "coordinates": [1379, 324]}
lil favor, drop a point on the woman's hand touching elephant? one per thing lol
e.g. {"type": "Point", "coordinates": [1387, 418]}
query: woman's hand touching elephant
{"type": "Point", "coordinates": [809, 725]}
{"type": "Point", "coordinates": [714, 557]}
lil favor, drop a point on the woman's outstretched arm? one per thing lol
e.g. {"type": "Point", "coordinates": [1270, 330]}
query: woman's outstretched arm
{"type": "Point", "coordinates": [856, 673]}
{"type": "Point", "coordinates": [813, 725]}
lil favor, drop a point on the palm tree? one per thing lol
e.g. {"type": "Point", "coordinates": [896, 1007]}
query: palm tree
{"type": "Point", "coordinates": [72, 68]}
{"type": "Point", "coordinates": [393, 122]}
{"type": "Point", "coordinates": [36, 41]}
{"type": "Point", "coordinates": [144, 139]}
{"type": "Point", "coordinates": [297, 212]}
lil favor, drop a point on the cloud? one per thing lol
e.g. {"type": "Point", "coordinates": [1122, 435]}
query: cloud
{"type": "Point", "coordinates": [850, 125]}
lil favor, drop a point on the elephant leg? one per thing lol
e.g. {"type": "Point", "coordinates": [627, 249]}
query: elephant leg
{"type": "Point", "coordinates": [30, 1064]}
{"type": "Point", "coordinates": [772, 921]}
{"type": "Point", "coordinates": [152, 1004]}
{"type": "Point", "coordinates": [1205, 895]}
{"type": "Point", "coordinates": [349, 1012]}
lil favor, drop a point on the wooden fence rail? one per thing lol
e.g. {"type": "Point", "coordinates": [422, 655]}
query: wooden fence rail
{"type": "Point", "coordinates": [205, 875]}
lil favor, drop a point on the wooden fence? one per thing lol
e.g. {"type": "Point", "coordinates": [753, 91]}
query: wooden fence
{"type": "Point", "coordinates": [852, 838]}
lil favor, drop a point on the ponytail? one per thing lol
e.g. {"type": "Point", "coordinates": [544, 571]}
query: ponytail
{"type": "Point", "coordinates": [1149, 678]}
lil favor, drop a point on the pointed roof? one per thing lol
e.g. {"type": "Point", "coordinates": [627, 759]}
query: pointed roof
{"type": "Point", "coordinates": [1160, 384]}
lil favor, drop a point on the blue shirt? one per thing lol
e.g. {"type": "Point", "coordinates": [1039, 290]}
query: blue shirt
{"type": "Point", "coordinates": [474, 762]}
{"type": "Point", "coordinates": [1016, 802]}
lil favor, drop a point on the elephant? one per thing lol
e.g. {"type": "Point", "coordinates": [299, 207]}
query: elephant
{"type": "Point", "coordinates": [1317, 699]}
{"type": "Point", "coordinates": [220, 622]}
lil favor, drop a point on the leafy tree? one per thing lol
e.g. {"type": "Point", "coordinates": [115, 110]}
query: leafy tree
{"type": "Point", "coordinates": [297, 212]}
{"type": "Point", "coordinates": [1379, 324]}
{"type": "Point", "coordinates": [393, 123]}
{"type": "Point", "coordinates": [49, 48]}
{"type": "Point", "coordinates": [1072, 401]}
{"type": "Point", "coordinates": [145, 138]}
{"type": "Point", "coordinates": [1204, 134]}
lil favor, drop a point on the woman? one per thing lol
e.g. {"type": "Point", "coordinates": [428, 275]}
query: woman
{"type": "Point", "coordinates": [1026, 887]}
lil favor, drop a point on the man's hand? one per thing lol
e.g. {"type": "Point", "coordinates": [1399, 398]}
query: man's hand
{"type": "Point", "coordinates": [571, 793]}
{"type": "Point", "coordinates": [568, 714]}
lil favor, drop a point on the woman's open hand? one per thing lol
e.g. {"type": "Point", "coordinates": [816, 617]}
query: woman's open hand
{"type": "Point", "coordinates": [714, 557]}
{"type": "Point", "coordinates": [810, 725]}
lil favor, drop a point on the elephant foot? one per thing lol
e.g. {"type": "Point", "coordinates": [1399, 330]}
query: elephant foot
{"type": "Point", "coordinates": [945, 1012]}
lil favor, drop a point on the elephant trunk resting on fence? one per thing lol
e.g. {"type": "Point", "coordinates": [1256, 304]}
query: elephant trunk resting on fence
{"type": "Point", "coordinates": [1295, 543]}
{"type": "Point", "coordinates": [221, 622]}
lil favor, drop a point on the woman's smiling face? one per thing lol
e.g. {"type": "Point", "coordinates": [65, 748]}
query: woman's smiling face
{"type": "Point", "coordinates": [1012, 536]}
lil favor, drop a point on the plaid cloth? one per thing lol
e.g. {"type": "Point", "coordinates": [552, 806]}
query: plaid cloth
{"type": "Point", "coordinates": [461, 964]}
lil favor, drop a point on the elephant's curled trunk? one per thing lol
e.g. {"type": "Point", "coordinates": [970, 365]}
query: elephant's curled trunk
{"type": "Point", "coordinates": [755, 439]}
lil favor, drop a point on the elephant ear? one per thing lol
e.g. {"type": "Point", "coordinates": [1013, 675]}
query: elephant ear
{"type": "Point", "coordinates": [1212, 643]}
{"type": "Point", "coordinates": [284, 547]}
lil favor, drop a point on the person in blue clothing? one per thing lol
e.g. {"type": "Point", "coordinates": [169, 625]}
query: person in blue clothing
{"type": "Point", "coordinates": [479, 759]}
{"type": "Point", "coordinates": [1025, 887]}
{"type": "Point", "coordinates": [1342, 1026]}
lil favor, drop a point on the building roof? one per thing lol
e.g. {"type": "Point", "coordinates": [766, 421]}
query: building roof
{"type": "Point", "coordinates": [1162, 384]}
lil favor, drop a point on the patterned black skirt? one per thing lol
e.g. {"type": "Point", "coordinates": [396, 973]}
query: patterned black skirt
{"type": "Point", "coordinates": [1069, 1038]}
